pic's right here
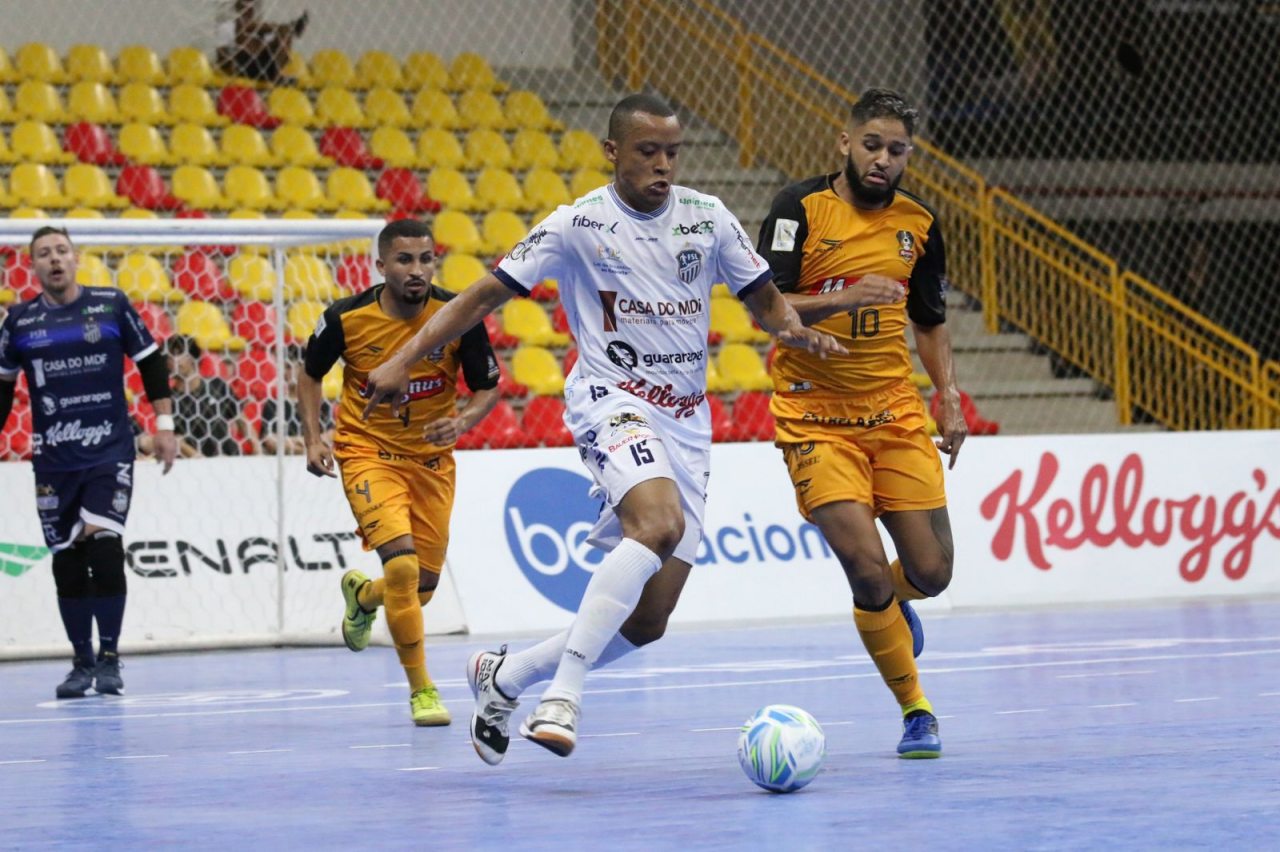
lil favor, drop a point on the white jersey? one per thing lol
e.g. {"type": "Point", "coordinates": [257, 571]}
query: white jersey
{"type": "Point", "coordinates": [636, 288]}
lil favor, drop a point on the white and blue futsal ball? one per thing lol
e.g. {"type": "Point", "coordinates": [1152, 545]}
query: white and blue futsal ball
{"type": "Point", "coordinates": [781, 748]}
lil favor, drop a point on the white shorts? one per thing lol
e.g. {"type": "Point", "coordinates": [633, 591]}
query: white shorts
{"type": "Point", "coordinates": [626, 448]}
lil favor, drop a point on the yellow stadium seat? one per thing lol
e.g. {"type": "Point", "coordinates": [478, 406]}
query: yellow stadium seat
{"type": "Point", "coordinates": [533, 149]}
{"type": "Point", "coordinates": [525, 320]}
{"type": "Point", "coordinates": [142, 103]}
{"type": "Point", "coordinates": [28, 213]}
{"type": "Point", "coordinates": [206, 323]}
{"type": "Point", "coordinates": [191, 103]}
{"type": "Point", "coordinates": [486, 148]}
{"type": "Point", "coordinates": [38, 100]}
{"type": "Point", "coordinates": [331, 386]}
{"type": "Point", "coordinates": [378, 68]}
{"type": "Point", "coordinates": [471, 71]}
{"type": "Point", "coordinates": [89, 62]}
{"type": "Point", "coordinates": [337, 107]}
{"type": "Point", "coordinates": [138, 63]}
{"type": "Point", "coordinates": [580, 150]}
{"type": "Point", "coordinates": [425, 70]}
{"type": "Point", "coordinates": [34, 185]}
{"type": "Point", "coordinates": [90, 101]}
{"type": "Point", "coordinates": [7, 112]}
{"type": "Point", "coordinates": [433, 108]}
{"type": "Point", "coordinates": [244, 145]}
{"type": "Point", "coordinates": [6, 155]}
{"type": "Point", "coordinates": [295, 146]}
{"type": "Point", "coordinates": [545, 188]}
{"type": "Point", "coordinates": [143, 279]}
{"type": "Point", "coordinates": [351, 188]}
{"type": "Point", "coordinates": [498, 189]}
{"type": "Point", "coordinates": [34, 142]}
{"type": "Point", "coordinates": [481, 109]}
{"type": "Point", "coordinates": [252, 276]}
{"type": "Point", "coordinates": [301, 319]}
{"type": "Point", "coordinates": [195, 186]}
{"type": "Point", "coordinates": [39, 61]}
{"type": "Point", "coordinates": [922, 381]}
{"type": "Point", "coordinates": [721, 291]}
{"type": "Point", "coordinates": [742, 368]}
{"type": "Point", "coordinates": [502, 229]}
{"type": "Point", "coordinates": [92, 272]}
{"type": "Point", "coordinates": [586, 180]}
{"type": "Point", "coordinates": [537, 369]}
{"type": "Point", "coordinates": [245, 186]}
{"type": "Point", "coordinates": [192, 145]}
{"type": "Point", "coordinates": [190, 65]}
{"type": "Point", "coordinates": [89, 186]}
{"type": "Point", "coordinates": [729, 319]}
{"type": "Point", "coordinates": [291, 106]}
{"type": "Point", "coordinates": [451, 188]}
{"type": "Point", "coordinates": [715, 382]}
{"type": "Point", "coordinates": [525, 109]}
{"type": "Point", "coordinates": [84, 213]}
{"type": "Point", "coordinates": [439, 148]}
{"type": "Point", "coordinates": [142, 143]}
{"type": "Point", "coordinates": [454, 231]}
{"type": "Point", "coordinates": [331, 68]}
{"type": "Point", "coordinates": [393, 147]}
{"type": "Point", "coordinates": [299, 187]}
{"type": "Point", "coordinates": [296, 69]}
{"type": "Point", "coordinates": [458, 271]}
{"type": "Point", "coordinates": [8, 74]}
{"type": "Point", "coordinates": [139, 213]}
{"type": "Point", "coordinates": [308, 277]}
{"type": "Point", "coordinates": [385, 107]}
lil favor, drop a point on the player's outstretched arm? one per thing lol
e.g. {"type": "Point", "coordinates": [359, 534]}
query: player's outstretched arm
{"type": "Point", "coordinates": [866, 291]}
{"type": "Point", "coordinates": [933, 343]}
{"type": "Point", "coordinates": [776, 316]}
{"type": "Point", "coordinates": [319, 453]}
{"type": "Point", "coordinates": [388, 381]}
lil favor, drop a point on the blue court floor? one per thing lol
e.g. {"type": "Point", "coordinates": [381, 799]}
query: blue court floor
{"type": "Point", "coordinates": [1135, 728]}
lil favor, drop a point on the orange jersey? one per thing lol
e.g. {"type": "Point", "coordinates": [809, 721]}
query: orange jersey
{"type": "Point", "coordinates": [357, 330]}
{"type": "Point", "coordinates": [816, 242]}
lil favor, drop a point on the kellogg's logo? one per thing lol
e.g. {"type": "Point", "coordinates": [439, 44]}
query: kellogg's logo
{"type": "Point", "coordinates": [1108, 513]}
{"type": "Point", "coordinates": [547, 517]}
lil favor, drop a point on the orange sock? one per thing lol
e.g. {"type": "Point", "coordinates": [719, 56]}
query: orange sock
{"type": "Point", "coordinates": [888, 639]}
{"type": "Point", "coordinates": [404, 616]}
{"type": "Point", "coordinates": [902, 587]}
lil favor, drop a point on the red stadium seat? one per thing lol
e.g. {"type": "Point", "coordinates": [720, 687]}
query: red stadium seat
{"type": "Point", "coordinates": [721, 425]}
{"type": "Point", "coordinates": [501, 430]}
{"type": "Point", "coordinates": [543, 421]}
{"type": "Point", "coordinates": [143, 414]}
{"type": "Point", "coordinates": [245, 106]}
{"type": "Point", "coordinates": [255, 376]}
{"type": "Point", "coordinates": [560, 320]}
{"type": "Point", "coordinates": [19, 278]}
{"type": "Point", "coordinates": [346, 146]}
{"type": "Point", "coordinates": [15, 442]}
{"type": "Point", "coordinates": [353, 273]}
{"type": "Point", "coordinates": [200, 278]}
{"type": "Point", "coordinates": [978, 425]}
{"type": "Point", "coordinates": [542, 293]}
{"type": "Point", "coordinates": [255, 322]}
{"type": "Point", "coordinates": [507, 386]}
{"type": "Point", "coordinates": [570, 358]}
{"type": "Point", "coordinates": [145, 188]}
{"type": "Point", "coordinates": [156, 319]}
{"type": "Point", "coordinates": [91, 143]}
{"type": "Point", "coordinates": [751, 418]}
{"type": "Point", "coordinates": [403, 189]}
{"type": "Point", "coordinates": [212, 364]}
{"type": "Point", "coordinates": [497, 337]}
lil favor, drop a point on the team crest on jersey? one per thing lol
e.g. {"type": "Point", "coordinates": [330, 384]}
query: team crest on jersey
{"type": "Point", "coordinates": [120, 501]}
{"type": "Point", "coordinates": [92, 331]}
{"type": "Point", "coordinates": [688, 265]}
{"type": "Point", "coordinates": [46, 498]}
{"type": "Point", "coordinates": [907, 247]}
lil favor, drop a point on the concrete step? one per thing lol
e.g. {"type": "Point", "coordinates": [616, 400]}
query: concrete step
{"type": "Point", "coordinates": [1054, 416]}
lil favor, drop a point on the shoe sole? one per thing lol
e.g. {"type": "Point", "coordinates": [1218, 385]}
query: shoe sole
{"type": "Point", "coordinates": [433, 721]}
{"type": "Point", "coordinates": [61, 694]}
{"type": "Point", "coordinates": [919, 755]}
{"type": "Point", "coordinates": [484, 751]}
{"type": "Point", "coordinates": [561, 745]}
{"type": "Point", "coordinates": [109, 690]}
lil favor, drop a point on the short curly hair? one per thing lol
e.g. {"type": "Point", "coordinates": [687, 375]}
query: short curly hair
{"type": "Point", "coordinates": [884, 103]}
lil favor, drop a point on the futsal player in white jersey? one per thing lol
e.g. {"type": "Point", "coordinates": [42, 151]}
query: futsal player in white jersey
{"type": "Point", "coordinates": [635, 261]}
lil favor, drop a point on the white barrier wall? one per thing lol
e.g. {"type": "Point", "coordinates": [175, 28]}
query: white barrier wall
{"type": "Point", "coordinates": [1037, 520]}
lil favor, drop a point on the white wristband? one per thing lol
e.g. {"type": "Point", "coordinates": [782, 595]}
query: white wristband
{"type": "Point", "coordinates": [164, 422]}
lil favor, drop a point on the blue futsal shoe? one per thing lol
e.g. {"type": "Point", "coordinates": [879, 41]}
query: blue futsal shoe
{"type": "Point", "coordinates": [917, 629]}
{"type": "Point", "coordinates": [920, 736]}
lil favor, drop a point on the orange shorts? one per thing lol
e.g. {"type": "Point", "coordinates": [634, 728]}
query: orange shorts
{"type": "Point", "coordinates": [874, 450]}
{"type": "Point", "coordinates": [392, 498]}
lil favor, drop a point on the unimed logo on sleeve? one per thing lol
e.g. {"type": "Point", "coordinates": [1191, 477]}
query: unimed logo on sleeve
{"type": "Point", "coordinates": [548, 515]}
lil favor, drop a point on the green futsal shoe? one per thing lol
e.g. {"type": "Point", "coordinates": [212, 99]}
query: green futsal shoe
{"type": "Point", "coordinates": [357, 624]}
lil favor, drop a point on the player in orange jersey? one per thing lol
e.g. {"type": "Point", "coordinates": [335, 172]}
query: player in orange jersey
{"type": "Point", "coordinates": [397, 471]}
{"type": "Point", "coordinates": [860, 259]}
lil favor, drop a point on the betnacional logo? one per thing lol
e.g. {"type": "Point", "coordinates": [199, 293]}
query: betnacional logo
{"type": "Point", "coordinates": [18, 559]}
{"type": "Point", "coordinates": [1114, 507]}
{"type": "Point", "coordinates": [548, 515]}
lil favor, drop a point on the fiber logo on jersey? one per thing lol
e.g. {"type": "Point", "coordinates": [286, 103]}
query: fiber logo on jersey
{"type": "Point", "coordinates": [547, 517]}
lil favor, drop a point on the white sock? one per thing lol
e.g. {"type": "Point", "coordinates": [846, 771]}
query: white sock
{"type": "Point", "coordinates": [523, 669]}
{"type": "Point", "coordinates": [611, 595]}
